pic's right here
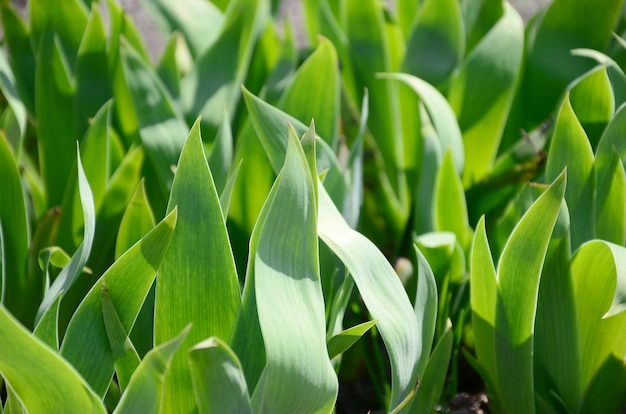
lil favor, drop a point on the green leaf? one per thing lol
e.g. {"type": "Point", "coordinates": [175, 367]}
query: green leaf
{"type": "Point", "coordinates": [611, 209]}
{"type": "Point", "coordinates": [598, 274]}
{"type": "Point", "coordinates": [138, 219]}
{"type": "Point", "coordinates": [519, 272]}
{"type": "Point", "coordinates": [218, 379]}
{"type": "Point", "coordinates": [198, 269]}
{"type": "Point", "coordinates": [382, 292]}
{"type": "Point", "coordinates": [221, 156]}
{"type": "Point", "coordinates": [314, 92]}
{"type": "Point", "coordinates": [570, 148]}
{"type": "Point", "coordinates": [122, 350]}
{"type": "Point", "coordinates": [161, 125]}
{"type": "Point", "coordinates": [17, 40]}
{"type": "Point", "coordinates": [86, 345]}
{"type": "Point", "coordinates": [605, 392]}
{"type": "Point", "coordinates": [437, 42]}
{"type": "Point", "coordinates": [434, 377]}
{"type": "Point", "coordinates": [55, 117]}
{"type": "Point", "coordinates": [483, 299]}
{"type": "Point", "coordinates": [593, 102]}
{"type": "Point", "coordinates": [199, 21]}
{"type": "Point", "coordinates": [443, 118]}
{"type": "Point", "coordinates": [93, 87]}
{"type": "Point", "coordinates": [481, 93]}
{"type": "Point", "coordinates": [298, 375]}
{"type": "Point", "coordinates": [47, 329]}
{"type": "Point", "coordinates": [168, 69]}
{"type": "Point", "coordinates": [611, 140]}
{"type": "Point", "coordinates": [69, 273]}
{"type": "Point", "coordinates": [342, 341]}
{"type": "Point", "coordinates": [449, 206]}
{"type": "Point", "coordinates": [146, 388]}
{"type": "Point", "coordinates": [9, 88]}
{"type": "Point", "coordinates": [96, 154]}
{"type": "Point", "coordinates": [68, 19]}
{"type": "Point", "coordinates": [370, 52]}
{"type": "Point", "coordinates": [41, 379]}
{"type": "Point", "coordinates": [208, 86]}
{"type": "Point", "coordinates": [426, 303]}
{"type": "Point", "coordinates": [18, 293]}
{"type": "Point", "coordinates": [549, 66]}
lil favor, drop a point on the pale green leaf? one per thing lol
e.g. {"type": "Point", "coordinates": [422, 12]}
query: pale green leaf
{"type": "Point", "coordinates": [612, 140]}
{"type": "Point", "coordinates": [298, 376]}
{"type": "Point", "coordinates": [146, 388]}
{"type": "Point", "coordinates": [137, 220]}
{"type": "Point", "coordinates": [218, 379]}
{"type": "Point", "coordinates": [199, 269]}
{"type": "Point", "coordinates": [220, 158]}
{"type": "Point", "coordinates": [441, 114]}
{"type": "Point", "coordinates": [48, 327]}
{"type": "Point", "coordinates": [95, 154]}
{"type": "Point", "coordinates": [519, 272]}
{"type": "Point", "coordinates": [426, 303]}
{"type": "Point", "coordinates": [42, 380]}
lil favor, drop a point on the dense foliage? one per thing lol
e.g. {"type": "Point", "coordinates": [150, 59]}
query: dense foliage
{"type": "Point", "coordinates": [160, 224]}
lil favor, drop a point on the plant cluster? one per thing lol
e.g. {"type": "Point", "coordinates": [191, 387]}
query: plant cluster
{"type": "Point", "coordinates": [160, 224]}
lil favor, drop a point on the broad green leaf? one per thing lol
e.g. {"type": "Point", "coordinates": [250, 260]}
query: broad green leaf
{"type": "Point", "coordinates": [218, 379]}
{"type": "Point", "coordinates": [71, 272]}
{"type": "Point", "coordinates": [440, 113]}
{"type": "Point", "coordinates": [611, 208]}
{"type": "Point", "coordinates": [122, 350]}
{"type": "Point", "coordinates": [199, 21]}
{"type": "Point", "coordinates": [42, 380]}
{"type": "Point", "coordinates": [599, 277]}
{"type": "Point", "coordinates": [12, 404]}
{"type": "Point", "coordinates": [436, 44]}
{"type": "Point", "coordinates": [314, 92]}
{"type": "Point", "coordinates": [433, 379]}
{"type": "Point", "coordinates": [18, 293]}
{"type": "Point", "coordinates": [549, 66]}
{"type": "Point", "coordinates": [208, 86]}
{"type": "Point", "coordinates": [342, 341]}
{"type": "Point", "coordinates": [145, 391]}
{"type": "Point", "coordinates": [449, 207]}
{"type": "Point", "coordinates": [161, 126]}
{"type": "Point", "coordinates": [570, 148]}
{"type": "Point", "coordinates": [479, 17]}
{"type": "Point", "coordinates": [9, 89]}
{"type": "Point", "coordinates": [616, 77]}
{"type": "Point", "coordinates": [93, 87]}
{"type": "Point", "coordinates": [483, 299]}
{"type": "Point", "coordinates": [519, 272]}
{"type": "Point", "coordinates": [382, 292]}
{"type": "Point", "coordinates": [55, 117]}
{"type": "Point", "coordinates": [298, 375]}
{"type": "Point", "coordinates": [227, 194]}
{"type": "Point", "coordinates": [198, 269]}
{"type": "Point", "coordinates": [482, 91]}
{"type": "Point", "coordinates": [426, 303]}
{"type": "Point", "coordinates": [86, 345]}
{"type": "Point", "coordinates": [593, 102]}
{"type": "Point", "coordinates": [17, 41]}
{"type": "Point", "coordinates": [437, 248]}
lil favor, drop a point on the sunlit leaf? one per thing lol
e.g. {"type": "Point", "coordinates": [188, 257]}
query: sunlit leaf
{"type": "Point", "coordinates": [342, 341]}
